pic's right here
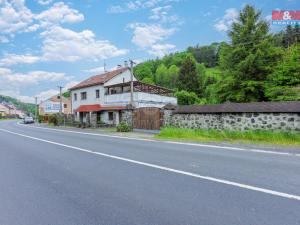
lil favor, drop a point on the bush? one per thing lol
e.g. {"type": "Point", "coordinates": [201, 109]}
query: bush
{"type": "Point", "coordinates": [186, 98]}
{"type": "Point", "coordinates": [41, 119]}
{"type": "Point", "coordinates": [53, 120]}
{"type": "Point", "coordinates": [123, 127]}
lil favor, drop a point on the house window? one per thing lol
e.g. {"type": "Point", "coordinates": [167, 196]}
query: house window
{"type": "Point", "coordinates": [123, 79]}
{"type": "Point", "coordinates": [110, 116]}
{"type": "Point", "coordinates": [83, 95]}
{"type": "Point", "coordinates": [97, 94]}
{"type": "Point", "coordinates": [75, 97]}
{"type": "Point", "coordinates": [58, 97]}
{"type": "Point", "coordinates": [65, 106]}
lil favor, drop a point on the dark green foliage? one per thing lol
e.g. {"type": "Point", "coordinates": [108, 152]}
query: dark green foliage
{"type": "Point", "coordinates": [144, 70]}
{"type": "Point", "coordinates": [67, 94]}
{"type": "Point", "coordinates": [208, 55]}
{"type": "Point", "coordinates": [253, 66]}
{"type": "Point", "coordinates": [148, 80]}
{"type": "Point", "coordinates": [56, 119]}
{"type": "Point", "coordinates": [161, 75]}
{"type": "Point", "coordinates": [248, 60]}
{"type": "Point", "coordinates": [26, 107]}
{"type": "Point", "coordinates": [287, 37]}
{"type": "Point", "coordinates": [172, 77]}
{"type": "Point", "coordinates": [123, 127]}
{"type": "Point", "coordinates": [186, 98]}
{"type": "Point", "coordinates": [188, 78]}
{"type": "Point", "coordinates": [284, 82]}
{"type": "Point", "coordinates": [53, 119]}
{"type": "Point", "coordinates": [291, 36]}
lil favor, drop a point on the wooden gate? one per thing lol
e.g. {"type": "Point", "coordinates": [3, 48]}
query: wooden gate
{"type": "Point", "coordinates": [148, 118]}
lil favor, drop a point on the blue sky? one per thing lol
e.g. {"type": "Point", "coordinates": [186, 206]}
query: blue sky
{"type": "Point", "coordinates": [46, 43]}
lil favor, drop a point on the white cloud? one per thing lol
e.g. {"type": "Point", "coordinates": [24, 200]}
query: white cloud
{"type": "Point", "coordinates": [95, 70]}
{"type": "Point", "coordinates": [7, 76]}
{"type": "Point", "coordinates": [62, 44]}
{"type": "Point", "coordinates": [12, 83]}
{"type": "Point", "coordinates": [15, 18]}
{"type": "Point", "coordinates": [44, 95]}
{"type": "Point", "coordinates": [146, 35]}
{"type": "Point", "coordinates": [226, 21]}
{"type": "Point", "coordinates": [150, 36]}
{"type": "Point", "coordinates": [59, 13]}
{"type": "Point", "coordinates": [161, 14]}
{"type": "Point", "coordinates": [3, 39]}
{"type": "Point", "coordinates": [34, 77]}
{"type": "Point", "coordinates": [44, 2]}
{"type": "Point", "coordinates": [160, 50]}
{"type": "Point", "coordinates": [13, 59]}
{"type": "Point", "coordinates": [137, 4]}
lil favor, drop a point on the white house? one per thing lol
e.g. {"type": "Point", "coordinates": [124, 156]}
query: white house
{"type": "Point", "coordinates": [108, 94]}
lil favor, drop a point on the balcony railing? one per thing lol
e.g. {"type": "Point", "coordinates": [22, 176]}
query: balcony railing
{"type": "Point", "coordinates": [138, 98]}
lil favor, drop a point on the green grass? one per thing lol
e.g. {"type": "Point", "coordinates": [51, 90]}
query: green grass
{"type": "Point", "coordinates": [259, 136]}
{"type": "Point", "coordinates": [7, 119]}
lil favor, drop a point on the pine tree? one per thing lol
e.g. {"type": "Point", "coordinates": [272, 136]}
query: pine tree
{"type": "Point", "coordinates": [188, 79]}
{"type": "Point", "coordinates": [284, 82]}
{"type": "Point", "coordinates": [248, 60]}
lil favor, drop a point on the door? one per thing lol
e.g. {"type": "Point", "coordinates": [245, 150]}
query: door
{"type": "Point", "coordinates": [148, 118]}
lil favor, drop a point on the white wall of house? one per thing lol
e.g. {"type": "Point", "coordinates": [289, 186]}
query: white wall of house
{"type": "Point", "coordinates": [90, 96]}
{"type": "Point", "coordinates": [141, 99]}
{"type": "Point", "coordinates": [121, 78]}
{"type": "Point", "coordinates": [105, 117]}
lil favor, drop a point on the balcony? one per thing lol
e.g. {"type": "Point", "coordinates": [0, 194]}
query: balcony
{"type": "Point", "coordinates": [144, 95]}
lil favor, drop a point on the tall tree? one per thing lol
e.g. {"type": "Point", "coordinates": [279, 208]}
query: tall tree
{"type": "Point", "coordinates": [173, 72]}
{"type": "Point", "coordinates": [143, 71]}
{"type": "Point", "coordinates": [161, 75]}
{"type": "Point", "coordinates": [188, 78]}
{"type": "Point", "coordinates": [284, 82]}
{"type": "Point", "coordinates": [248, 59]}
{"type": "Point", "coordinates": [205, 54]}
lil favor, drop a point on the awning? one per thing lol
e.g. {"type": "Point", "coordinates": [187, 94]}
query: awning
{"type": "Point", "coordinates": [97, 107]}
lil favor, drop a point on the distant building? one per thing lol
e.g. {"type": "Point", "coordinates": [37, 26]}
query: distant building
{"type": "Point", "coordinates": [20, 113]}
{"type": "Point", "coordinates": [52, 105]}
{"type": "Point", "coordinates": [4, 110]}
{"type": "Point", "coordinates": [8, 109]}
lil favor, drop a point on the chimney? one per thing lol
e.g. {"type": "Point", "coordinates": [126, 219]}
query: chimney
{"type": "Point", "coordinates": [119, 66]}
{"type": "Point", "coordinates": [125, 63]}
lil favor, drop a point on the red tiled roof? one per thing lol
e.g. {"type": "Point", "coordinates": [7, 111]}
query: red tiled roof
{"type": "Point", "coordinates": [99, 79]}
{"type": "Point", "coordinates": [97, 107]}
{"type": "Point", "coordinates": [88, 108]}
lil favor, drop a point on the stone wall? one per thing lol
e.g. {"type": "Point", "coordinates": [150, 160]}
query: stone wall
{"type": "Point", "coordinates": [127, 116]}
{"type": "Point", "coordinates": [234, 121]}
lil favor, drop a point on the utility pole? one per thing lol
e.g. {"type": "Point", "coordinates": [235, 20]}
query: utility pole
{"type": "Point", "coordinates": [36, 109]}
{"type": "Point", "coordinates": [131, 82]}
{"type": "Point", "coordinates": [60, 99]}
{"type": "Point", "coordinates": [104, 67]}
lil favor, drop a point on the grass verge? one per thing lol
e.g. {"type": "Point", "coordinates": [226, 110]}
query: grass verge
{"type": "Point", "coordinates": [258, 136]}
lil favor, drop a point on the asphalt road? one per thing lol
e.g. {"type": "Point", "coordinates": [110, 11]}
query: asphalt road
{"type": "Point", "coordinates": [56, 177]}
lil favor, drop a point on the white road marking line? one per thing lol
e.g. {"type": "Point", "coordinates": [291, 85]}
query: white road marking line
{"type": "Point", "coordinates": [244, 186]}
{"type": "Point", "coordinates": [170, 142]}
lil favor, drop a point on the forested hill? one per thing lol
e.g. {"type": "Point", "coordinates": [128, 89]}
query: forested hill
{"type": "Point", "coordinates": [255, 65]}
{"type": "Point", "coordinates": [26, 107]}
